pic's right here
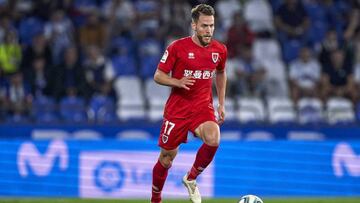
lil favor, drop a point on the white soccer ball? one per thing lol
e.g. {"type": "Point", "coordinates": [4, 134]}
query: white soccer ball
{"type": "Point", "coordinates": [250, 199]}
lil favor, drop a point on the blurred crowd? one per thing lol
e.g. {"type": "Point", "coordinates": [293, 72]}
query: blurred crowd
{"type": "Point", "coordinates": [60, 59]}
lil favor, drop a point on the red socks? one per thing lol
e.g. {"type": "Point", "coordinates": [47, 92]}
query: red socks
{"type": "Point", "coordinates": [203, 158]}
{"type": "Point", "coordinates": [159, 176]}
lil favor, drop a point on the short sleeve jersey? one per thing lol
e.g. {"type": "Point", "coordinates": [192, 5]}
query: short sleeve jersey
{"type": "Point", "coordinates": [184, 58]}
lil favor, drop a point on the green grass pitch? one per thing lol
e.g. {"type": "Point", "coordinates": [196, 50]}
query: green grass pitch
{"type": "Point", "coordinates": [282, 200]}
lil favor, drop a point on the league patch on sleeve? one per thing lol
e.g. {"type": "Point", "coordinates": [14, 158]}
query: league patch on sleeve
{"type": "Point", "coordinates": [164, 57]}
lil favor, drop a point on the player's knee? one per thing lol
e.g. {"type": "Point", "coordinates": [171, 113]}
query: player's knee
{"type": "Point", "coordinates": [166, 161]}
{"type": "Point", "coordinates": [212, 139]}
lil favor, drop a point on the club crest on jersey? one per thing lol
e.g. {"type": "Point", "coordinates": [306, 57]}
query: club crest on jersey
{"type": "Point", "coordinates": [215, 57]}
{"type": "Point", "coordinates": [164, 138]}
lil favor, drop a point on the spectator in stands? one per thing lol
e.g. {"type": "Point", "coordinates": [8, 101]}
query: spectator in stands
{"type": "Point", "coordinates": [69, 73]}
{"type": "Point", "coordinates": [148, 15]}
{"type": "Point", "coordinates": [18, 96]}
{"type": "Point", "coordinates": [250, 75]}
{"type": "Point", "coordinates": [356, 50]}
{"type": "Point", "coordinates": [39, 77]}
{"type": "Point", "coordinates": [4, 6]}
{"type": "Point", "coordinates": [304, 75]}
{"type": "Point", "coordinates": [123, 57]}
{"type": "Point", "coordinates": [208, 2]}
{"type": "Point", "coordinates": [22, 8]}
{"type": "Point", "coordinates": [121, 15]}
{"type": "Point", "coordinates": [259, 16]}
{"type": "Point", "coordinates": [357, 80]}
{"type": "Point", "coordinates": [323, 15]}
{"type": "Point", "coordinates": [291, 20]}
{"type": "Point", "coordinates": [39, 48]}
{"type": "Point", "coordinates": [357, 64]}
{"type": "Point", "coordinates": [84, 7]}
{"type": "Point", "coordinates": [44, 8]}
{"type": "Point", "coordinates": [330, 44]}
{"type": "Point", "coordinates": [353, 21]}
{"type": "Point", "coordinates": [233, 64]}
{"type": "Point", "coordinates": [338, 79]}
{"type": "Point", "coordinates": [10, 53]}
{"type": "Point", "coordinates": [225, 10]}
{"type": "Point", "coordinates": [137, 28]}
{"type": "Point", "coordinates": [238, 35]}
{"type": "Point", "coordinates": [79, 10]}
{"type": "Point", "coordinates": [102, 106]}
{"type": "Point", "coordinates": [98, 70]}
{"type": "Point", "coordinates": [2, 96]}
{"type": "Point", "coordinates": [175, 20]}
{"type": "Point", "coordinates": [59, 31]}
{"type": "Point", "coordinates": [93, 32]}
{"type": "Point", "coordinates": [72, 107]}
{"type": "Point", "coordinates": [149, 53]}
{"type": "Point", "coordinates": [5, 26]}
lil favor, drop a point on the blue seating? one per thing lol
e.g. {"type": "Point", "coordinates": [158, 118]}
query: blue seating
{"type": "Point", "coordinates": [310, 111]}
{"type": "Point", "coordinates": [102, 109]}
{"type": "Point", "coordinates": [28, 28]}
{"type": "Point", "coordinates": [291, 49]}
{"type": "Point", "coordinates": [149, 54]}
{"type": "Point", "coordinates": [80, 5]}
{"type": "Point", "coordinates": [317, 31]}
{"type": "Point", "coordinates": [148, 66]}
{"type": "Point", "coordinates": [17, 118]}
{"type": "Point", "coordinates": [357, 111]}
{"type": "Point", "coordinates": [73, 110]}
{"type": "Point", "coordinates": [318, 15]}
{"type": "Point", "coordinates": [124, 45]}
{"type": "Point", "coordinates": [275, 4]}
{"type": "Point", "coordinates": [124, 65]}
{"type": "Point", "coordinates": [44, 110]}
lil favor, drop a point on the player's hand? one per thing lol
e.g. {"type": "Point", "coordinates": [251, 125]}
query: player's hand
{"type": "Point", "coordinates": [221, 113]}
{"type": "Point", "coordinates": [185, 82]}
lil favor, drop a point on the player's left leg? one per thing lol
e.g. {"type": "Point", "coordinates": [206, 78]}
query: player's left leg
{"type": "Point", "coordinates": [160, 172]}
{"type": "Point", "coordinates": [209, 132]}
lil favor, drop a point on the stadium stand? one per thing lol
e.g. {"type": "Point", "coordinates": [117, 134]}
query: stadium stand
{"type": "Point", "coordinates": [120, 43]}
{"type": "Point", "coordinates": [251, 110]}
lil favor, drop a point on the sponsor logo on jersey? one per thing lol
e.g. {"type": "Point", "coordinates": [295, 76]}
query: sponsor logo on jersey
{"type": "Point", "coordinates": [164, 57]}
{"type": "Point", "coordinates": [191, 55]}
{"type": "Point", "coordinates": [215, 57]}
{"type": "Point", "coordinates": [199, 74]}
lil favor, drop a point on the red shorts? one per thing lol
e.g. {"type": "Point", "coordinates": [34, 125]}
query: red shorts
{"type": "Point", "coordinates": [174, 131]}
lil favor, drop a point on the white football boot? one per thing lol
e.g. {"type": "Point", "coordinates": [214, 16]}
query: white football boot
{"type": "Point", "coordinates": [192, 188]}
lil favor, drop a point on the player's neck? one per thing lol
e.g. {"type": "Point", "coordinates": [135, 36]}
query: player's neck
{"type": "Point", "coordinates": [197, 41]}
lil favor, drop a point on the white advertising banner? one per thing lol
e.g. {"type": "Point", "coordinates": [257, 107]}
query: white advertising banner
{"type": "Point", "coordinates": [128, 174]}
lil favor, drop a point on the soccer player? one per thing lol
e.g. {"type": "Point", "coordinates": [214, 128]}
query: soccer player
{"type": "Point", "coordinates": [188, 66]}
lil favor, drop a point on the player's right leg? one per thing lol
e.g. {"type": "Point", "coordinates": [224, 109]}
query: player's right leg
{"type": "Point", "coordinates": [160, 172]}
{"type": "Point", "coordinates": [173, 133]}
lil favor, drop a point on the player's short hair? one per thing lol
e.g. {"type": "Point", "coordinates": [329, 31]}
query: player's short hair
{"type": "Point", "coordinates": [201, 9]}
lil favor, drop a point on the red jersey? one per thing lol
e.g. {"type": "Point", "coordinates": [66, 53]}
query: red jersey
{"type": "Point", "coordinates": [185, 58]}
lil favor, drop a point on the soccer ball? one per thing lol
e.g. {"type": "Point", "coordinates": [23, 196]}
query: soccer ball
{"type": "Point", "coordinates": [250, 199]}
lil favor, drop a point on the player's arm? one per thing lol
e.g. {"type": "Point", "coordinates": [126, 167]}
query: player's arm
{"type": "Point", "coordinates": [163, 78]}
{"type": "Point", "coordinates": [220, 83]}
